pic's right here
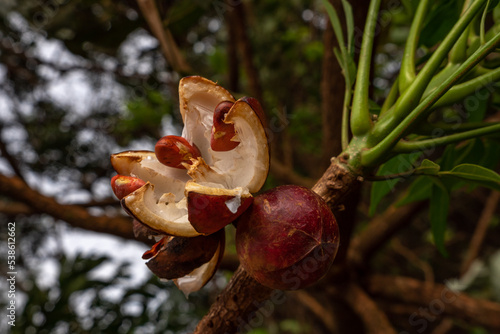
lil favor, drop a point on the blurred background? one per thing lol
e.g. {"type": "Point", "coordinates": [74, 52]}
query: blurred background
{"type": "Point", "coordinates": [81, 79]}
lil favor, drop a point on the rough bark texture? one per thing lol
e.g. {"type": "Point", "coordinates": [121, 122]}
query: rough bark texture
{"type": "Point", "coordinates": [232, 311]}
{"type": "Point", "coordinates": [337, 181]}
{"type": "Point", "coordinates": [375, 320]}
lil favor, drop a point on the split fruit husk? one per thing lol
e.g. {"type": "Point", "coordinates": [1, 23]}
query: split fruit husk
{"type": "Point", "coordinates": [190, 262]}
{"type": "Point", "coordinates": [212, 189]}
{"type": "Point", "coordinates": [219, 180]}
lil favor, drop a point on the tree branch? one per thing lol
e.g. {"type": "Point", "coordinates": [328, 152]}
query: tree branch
{"type": "Point", "coordinates": [321, 312]}
{"type": "Point", "coordinates": [242, 296]}
{"type": "Point", "coordinates": [482, 226]}
{"type": "Point", "coordinates": [76, 216]}
{"type": "Point", "coordinates": [167, 43]}
{"type": "Point", "coordinates": [380, 229]}
{"type": "Point", "coordinates": [239, 18]}
{"type": "Point", "coordinates": [15, 208]}
{"type": "Point", "coordinates": [10, 159]}
{"type": "Point", "coordinates": [375, 320]}
{"type": "Point", "coordinates": [288, 175]}
{"type": "Point", "coordinates": [332, 83]}
{"type": "Point", "coordinates": [436, 298]}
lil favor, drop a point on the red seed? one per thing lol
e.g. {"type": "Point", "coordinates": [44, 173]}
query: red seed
{"type": "Point", "coordinates": [222, 133]}
{"type": "Point", "coordinates": [123, 185]}
{"type": "Point", "coordinates": [173, 151]}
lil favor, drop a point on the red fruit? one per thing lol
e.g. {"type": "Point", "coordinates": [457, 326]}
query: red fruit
{"type": "Point", "coordinates": [288, 238]}
{"type": "Point", "coordinates": [174, 151]}
{"type": "Point", "coordinates": [210, 212]}
{"type": "Point", "coordinates": [222, 132]}
{"type": "Point", "coordinates": [124, 185]}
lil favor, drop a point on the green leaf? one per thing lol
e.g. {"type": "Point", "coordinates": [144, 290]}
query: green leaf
{"type": "Point", "coordinates": [439, 22]}
{"type": "Point", "coordinates": [419, 190]}
{"type": "Point", "coordinates": [345, 55]}
{"type": "Point", "coordinates": [492, 4]}
{"type": "Point", "coordinates": [399, 164]}
{"type": "Point", "coordinates": [491, 155]}
{"type": "Point", "coordinates": [449, 158]}
{"type": "Point", "coordinates": [428, 167]}
{"type": "Point", "coordinates": [475, 174]}
{"type": "Point", "coordinates": [349, 18]}
{"type": "Point", "coordinates": [470, 153]}
{"type": "Point", "coordinates": [337, 26]}
{"type": "Point", "coordinates": [477, 105]}
{"type": "Point", "coordinates": [438, 211]}
{"type": "Point", "coordinates": [340, 58]}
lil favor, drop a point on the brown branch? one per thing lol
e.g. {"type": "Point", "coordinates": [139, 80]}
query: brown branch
{"type": "Point", "coordinates": [167, 43]}
{"type": "Point", "coordinates": [242, 296]}
{"type": "Point", "coordinates": [480, 232]}
{"type": "Point", "coordinates": [380, 229]}
{"type": "Point", "coordinates": [332, 83]}
{"type": "Point", "coordinates": [414, 259]}
{"type": "Point", "coordinates": [76, 216]}
{"type": "Point", "coordinates": [232, 54]}
{"type": "Point", "coordinates": [287, 174]}
{"type": "Point", "coordinates": [18, 208]}
{"type": "Point", "coordinates": [374, 319]}
{"type": "Point", "coordinates": [317, 308]}
{"type": "Point", "coordinates": [10, 159]}
{"type": "Point", "coordinates": [15, 208]}
{"type": "Point", "coordinates": [444, 326]}
{"type": "Point", "coordinates": [239, 23]}
{"type": "Point", "coordinates": [436, 298]}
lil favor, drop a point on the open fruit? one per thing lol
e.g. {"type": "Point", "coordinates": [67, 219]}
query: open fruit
{"type": "Point", "coordinates": [189, 261]}
{"type": "Point", "coordinates": [219, 181]}
{"type": "Point", "coordinates": [288, 238]}
{"type": "Point", "coordinates": [191, 190]}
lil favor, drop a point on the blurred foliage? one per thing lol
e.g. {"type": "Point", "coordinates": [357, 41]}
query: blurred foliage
{"type": "Point", "coordinates": [79, 303]}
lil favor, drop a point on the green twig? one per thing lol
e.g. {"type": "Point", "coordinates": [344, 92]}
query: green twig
{"type": "Point", "coordinates": [371, 156]}
{"type": "Point", "coordinates": [422, 145]}
{"type": "Point", "coordinates": [448, 128]}
{"type": "Point", "coordinates": [410, 98]}
{"type": "Point", "coordinates": [391, 98]}
{"type": "Point", "coordinates": [407, 73]}
{"type": "Point", "coordinates": [459, 52]}
{"type": "Point", "coordinates": [458, 92]}
{"type": "Point", "coordinates": [360, 115]}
